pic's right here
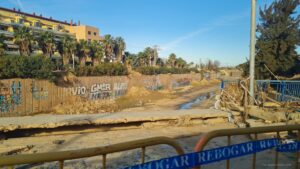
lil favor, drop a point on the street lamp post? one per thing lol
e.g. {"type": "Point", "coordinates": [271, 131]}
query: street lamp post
{"type": "Point", "coordinates": [252, 50]}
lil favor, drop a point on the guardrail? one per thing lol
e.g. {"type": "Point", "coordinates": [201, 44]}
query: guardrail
{"type": "Point", "coordinates": [284, 90]}
{"type": "Point", "coordinates": [11, 161]}
{"type": "Point", "coordinates": [247, 131]}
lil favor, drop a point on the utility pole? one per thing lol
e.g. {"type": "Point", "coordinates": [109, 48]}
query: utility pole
{"type": "Point", "coordinates": [252, 49]}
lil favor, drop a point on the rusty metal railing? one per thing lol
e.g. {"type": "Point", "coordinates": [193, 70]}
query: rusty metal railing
{"type": "Point", "coordinates": [11, 161]}
{"type": "Point", "coordinates": [248, 131]}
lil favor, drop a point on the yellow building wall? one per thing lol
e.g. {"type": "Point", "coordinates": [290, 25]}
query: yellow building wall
{"type": "Point", "coordinates": [82, 32]}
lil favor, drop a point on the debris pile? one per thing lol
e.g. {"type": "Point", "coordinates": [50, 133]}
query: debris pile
{"type": "Point", "coordinates": [235, 97]}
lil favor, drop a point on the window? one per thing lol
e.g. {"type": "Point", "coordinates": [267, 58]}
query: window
{"type": "Point", "coordinates": [37, 24]}
{"type": "Point", "coordinates": [89, 32]}
{"type": "Point", "coordinates": [95, 33]}
{"type": "Point", "coordinates": [20, 21]}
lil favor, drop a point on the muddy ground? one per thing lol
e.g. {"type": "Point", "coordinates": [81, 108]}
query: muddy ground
{"type": "Point", "coordinates": [187, 136]}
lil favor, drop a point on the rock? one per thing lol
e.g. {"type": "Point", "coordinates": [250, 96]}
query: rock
{"type": "Point", "coordinates": [58, 142]}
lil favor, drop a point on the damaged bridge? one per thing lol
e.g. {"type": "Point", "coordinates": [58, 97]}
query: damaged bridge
{"type": "Point", "coordinates": [63, 124]}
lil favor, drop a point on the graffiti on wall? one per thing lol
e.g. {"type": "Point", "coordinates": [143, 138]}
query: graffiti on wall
{"type": "Point", "coordinates": [180, 82]}
{"type": "Point", "coordinates": [10, 97]}
{"type": "Point", "coordinates": [38, 92]}
{"type": "Point", "coordinates": [78, 90]}
{"type": "Point", "coordinates": [99, 91]}
{"type": "Point", "coordinates": [153, 84]}
{"type": "Point", "coordinates": [120, 89]}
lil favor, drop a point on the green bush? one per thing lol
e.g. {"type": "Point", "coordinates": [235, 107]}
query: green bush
{"type": "Point", "coordinates": [26, 67]}
{"type": "Point", "coordinates": [164, 70]}
{"type": "Point", "coordinates": [104, 69]}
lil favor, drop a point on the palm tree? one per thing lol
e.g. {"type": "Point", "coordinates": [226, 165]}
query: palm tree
{"type": "Point", "coordinates": [23, 38]}
{"type": "Point", "coordinates": [109, 46]}
{"type": "Point", "coordinates": [142, 59]}
{"type": "Point", "coordinates": [119, 48]}
{"type": "Point", "coordinates": [83, 51]}
{"type": "Point", "coordinates": [68, 46]}
{"type": "Point", "coordinates": [47, 43]}
{"type": "Point", "coordinates": [180, 63]}
{"type": "Point", "coordinates": [172, 60]}
{"type": "Point", "coordinates": [2, 44]}
{"type": "Point", "coordinates": [97, 52]}
{"type": "Point", "coordinates": [160, 62]}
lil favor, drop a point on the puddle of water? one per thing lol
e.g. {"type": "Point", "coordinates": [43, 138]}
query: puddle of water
{"type": "Point", "coordinates": [198, 100]}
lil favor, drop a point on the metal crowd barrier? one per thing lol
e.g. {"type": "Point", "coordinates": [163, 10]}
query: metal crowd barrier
{"type": "Point", "coordinates": [247, 131]}
{"type": "Point", "coordinates": [11, 161]}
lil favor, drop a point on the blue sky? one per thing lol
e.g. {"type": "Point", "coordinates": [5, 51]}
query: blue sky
{"type": "Point", "coordinates": [193, 29]}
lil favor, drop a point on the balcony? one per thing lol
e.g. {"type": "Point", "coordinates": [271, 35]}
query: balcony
{"type": "Point", "coordinates": [37, 29]}
{"type": "Point", "coordinates": [7, 34]}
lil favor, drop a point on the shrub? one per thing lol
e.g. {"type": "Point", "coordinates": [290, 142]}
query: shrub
{"type": "Point", "coordinates": [26, 67]}
{"type": "Point", "coordinates": [164, 70]}
{"type": "Point", "coordinates": [105, 69]}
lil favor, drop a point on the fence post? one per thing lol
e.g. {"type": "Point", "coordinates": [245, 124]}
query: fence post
{"type": "Point", "coordinates": [283, 88]}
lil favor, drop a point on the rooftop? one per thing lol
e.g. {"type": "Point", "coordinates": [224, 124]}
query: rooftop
{"type": "Point", "coordinates": [35, 16]}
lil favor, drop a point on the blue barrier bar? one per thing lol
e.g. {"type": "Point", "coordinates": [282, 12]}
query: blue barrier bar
{"type": "Point", "coordinates": [218, 154]}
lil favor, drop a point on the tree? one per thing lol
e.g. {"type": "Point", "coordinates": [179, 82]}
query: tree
{"type": "Point", "coordinates": [160, 62]}
{"type": "Point", "coordinates": [47, 43]}
{"type": "Point", "coordinates": [142, 59]}
{"type": "Point", "coordinates": [2, 44]}
{"type": "Point", "coordinates": [23, 38]}
{"type": "Point", "coordinates": [68, 48]}
{"type": "Point", "coordinates": [149, 52]}
{"type": "Point", "coordinates": [97, 52]}
{"type": "Point", "coordinates": [130, 59]}
{"type": "Point", "coordinates": [279, 36]}
{"type": "Point", "coordinates": [180, 63]}
{"type": "Point", "coordinates": [172, 60]}
{"type": "Point", "coordinates": [83, 51]}
{"type": "Point", "coordinates": [109, 46]}
{"type": "Point", "coordinates": [119, 48]}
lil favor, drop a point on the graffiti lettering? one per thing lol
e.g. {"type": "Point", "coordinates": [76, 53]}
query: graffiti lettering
{"type": "Point", "coordinates": [100, 91]}
{"type": "Point", "coordinates": [100, 87]}
{"type": "Point", "coordinates": [80, 90]}
{"type": "Point", "coordinates": [120, 89]}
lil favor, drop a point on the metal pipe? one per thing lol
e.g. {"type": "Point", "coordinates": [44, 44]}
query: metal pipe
{"type": "Point", "coordinates": [242, 131]}
{"type": "Point", "coordinates": [89, 152]}
{"type": "Point", "coordinates": [143, 154]}
{"type": "Point", "coordinates": [252, 49]}
{"type": "Point", "coordinates": [276, 154]}
{"type": "Point", "coordinates": [228, 144]}
{"type": "Point", "coordinates": [254, 154]}
{"type": "Point", "coordinates": [104, 161]}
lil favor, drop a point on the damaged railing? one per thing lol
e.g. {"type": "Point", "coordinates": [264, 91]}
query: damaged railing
{"type": "Point", "coordinates": [282, 90]}
{"type": "Point", "coordinates": [248, 131]}
{"type": "Point", "coordinates": [11, 161]}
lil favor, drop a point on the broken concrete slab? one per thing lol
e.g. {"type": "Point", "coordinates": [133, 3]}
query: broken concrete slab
{"type": "Point", "coordinates": [55, 121]}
